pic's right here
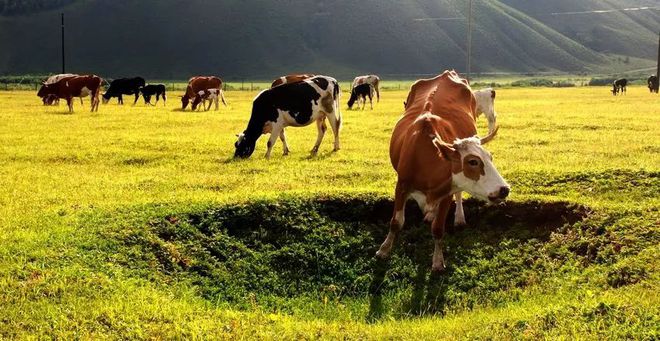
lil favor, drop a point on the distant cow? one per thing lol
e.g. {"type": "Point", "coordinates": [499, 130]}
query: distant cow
{"type": "Point", "coordinates": [291, 79]}
{"type": "Point", "coordinates": [208, 95]}
{"type": "Point", "coordinates": [124, 86]}
{"type": "Point", "coordinates": [486, 105]}
{"type": "Point", "coordinates": [76, 86]}
{"type": "Point", "coordinates": [52, 99]}
{"type": "Point", "coordinates": [368, 79]}
{"type": "Point", "coordinates": [153, 89]}
{"type": "Point", "coordinates": [619, 85]}
{"type": "Point", "coordinates": [295, 104]}
{"type": "Point", "coordinates": [653, 83]}
{"type": "Point", "coordinates": [361, 92]}
{"type": "Point", "coordinates": [199, 83]}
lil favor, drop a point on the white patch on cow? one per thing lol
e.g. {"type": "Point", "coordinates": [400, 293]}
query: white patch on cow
{"type": "Point", "coordinates": [56, 78]}
{"type": "Point", "coordinates": [84, 92]}
{"type": "Point", "coordinates": [420, 198]}
{"type": "Point", "coordinates": [488, 185]}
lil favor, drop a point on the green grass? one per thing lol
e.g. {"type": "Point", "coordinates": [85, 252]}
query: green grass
{"type": "Point", "coordinates": [135, 222]}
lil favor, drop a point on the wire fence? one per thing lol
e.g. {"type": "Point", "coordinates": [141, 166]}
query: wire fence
{"type": "Point", "coordinates": [389, 81]}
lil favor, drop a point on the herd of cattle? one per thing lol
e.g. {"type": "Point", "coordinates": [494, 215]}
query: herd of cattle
{"type": "Point", "coordinates": [619, 85]}
{"type": "Point", "coordinates": [434, 148]}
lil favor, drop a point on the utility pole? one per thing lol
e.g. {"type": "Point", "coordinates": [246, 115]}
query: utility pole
{"type": "Point", "coordinates": [469, 41]}
{"type": "Point", "coordinates": [657, 70]}
{"type": "Point", "coordinates": [63, 59]}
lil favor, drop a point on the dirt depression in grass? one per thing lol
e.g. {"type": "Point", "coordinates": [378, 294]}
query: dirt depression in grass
{"type": "Point", "coordinates": [269, 251]}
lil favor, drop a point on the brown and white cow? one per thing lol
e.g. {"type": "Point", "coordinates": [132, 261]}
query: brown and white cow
{"type": "Point", "coordinates": [52, 99]}
{"type": "Point", "coordinates": [210, 95]}
{"type": "Point", "coordinates": [200, 83]}
{"type": "Point", "coordinates": [436, 153]}
{"type": "Point", "coordinates": [76, 86]}
{"type": "Point", "coordinates": [295, 78]}
{"type": "Point", "coordinates": [368, 79]}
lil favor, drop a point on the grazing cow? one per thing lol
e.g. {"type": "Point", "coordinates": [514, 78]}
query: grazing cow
{"type": "Point", "coordinates": [486, 105]}
{"type": "Point", "coordinates": [653, 83]}
{"type": "Point", "coordinates": [153, 89]}
{"type": "Point", "coordinates": [368, 79]}
{"type": "Point", "coordinates": [361, 92]}
{"type": "Point", "coordinates": [199, 83]}
{"type": "Point", "coordinates": [210, 95]}
{"type": "Point", "coordinates": [295, 104]}
{"type": "Point", "coordinates": [619, 85]}
{"type": "Point", "coordinates": [52, 99]}
{"type": "Point", "coordinates": [76, 86]}
{"type": "Point", "coordinates": [124, 86]}
{"type": "Point", "coordinates": [435, 152]}
{"type": "Point", "coordinates": [291, 79]}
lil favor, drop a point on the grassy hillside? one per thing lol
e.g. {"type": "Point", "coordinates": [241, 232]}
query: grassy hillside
{"type": "Point", "coordinates": [627, 33]}
{"type": "Point", "coordinates": [134, 222]}
{"type": "Point", "coordinates": [263, 39]}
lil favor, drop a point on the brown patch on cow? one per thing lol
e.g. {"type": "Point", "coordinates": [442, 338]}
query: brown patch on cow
{"type": "Point", "coordinates": [492, 94]}
{"type": "Point", "coordinates": [268, 128]}
{"type": "Point", "coordinates": [470, 171]}
{"type": "Point", "coordinates": [326, 104]}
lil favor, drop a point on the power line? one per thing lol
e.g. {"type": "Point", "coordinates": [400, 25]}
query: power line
{"type": "Point", "coordinates": [604, 11]}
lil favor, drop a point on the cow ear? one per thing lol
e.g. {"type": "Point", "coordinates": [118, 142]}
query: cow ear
{"type": "Point", "coordinates": [447, 150]}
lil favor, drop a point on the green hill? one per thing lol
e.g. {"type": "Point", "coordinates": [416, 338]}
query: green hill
{"type": "Point", "coordinates": [262, 39]}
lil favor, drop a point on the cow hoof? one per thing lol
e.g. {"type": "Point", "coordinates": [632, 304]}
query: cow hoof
{"type": "Point", "coordinates": [382, 254]}
{"type": "Point", "coordinates": [437, 268]}
{"type": "Point", "coordinates": [460, 222]}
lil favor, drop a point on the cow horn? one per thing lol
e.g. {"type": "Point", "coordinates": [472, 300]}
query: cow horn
{"type": "Point", "coordinates": [490, 136]}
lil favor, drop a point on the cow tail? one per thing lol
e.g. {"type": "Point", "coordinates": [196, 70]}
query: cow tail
{"type": "Point", "coordinates": [337, 95]}
{"type": "Point", "coordinates": [222, 96]}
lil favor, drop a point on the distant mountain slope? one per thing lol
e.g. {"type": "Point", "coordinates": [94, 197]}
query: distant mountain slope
{"type": "Point", "coordinates": [632, 32]}
{"type": "Point", "coordinates": [262, 39]}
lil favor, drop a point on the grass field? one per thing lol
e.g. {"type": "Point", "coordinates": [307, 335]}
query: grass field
{"type": "Point", "coordinates": [135, 222]}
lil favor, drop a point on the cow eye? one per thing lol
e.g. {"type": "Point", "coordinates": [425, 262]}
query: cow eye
{"type": "Point", "coordinates": [473, 163]}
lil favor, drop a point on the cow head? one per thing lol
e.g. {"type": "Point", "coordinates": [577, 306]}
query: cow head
{"type": "Point", "coordinates": [184, 102]}
{"type": "Point", "coordinates": [195, 102]}
{"type": "Point", "coordinates": [473, 170]}
{"type": "Point", "coordinates": [105, 98]}
{"type": "Point", "coordinates": [244, 146]}
{"type": "Point", "coordinates": [354, 97]}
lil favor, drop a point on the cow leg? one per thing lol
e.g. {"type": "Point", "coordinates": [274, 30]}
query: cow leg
{"type": "Point", "coordinates": [137, 96]}
{"type": "Point", "coordinates": [438, 231]}
{"type": "Point", "coordinates": [459, 215]}
{"type": "Point", "coordinates": [320, 125]}
{"type": "Point", "coordinates": [335, 124]}
{"type": "Point", "coordinates": [164, 99]}
{"type": "Point", "coordinates": [217, 103]}
{"type": "Point", "coordinates": [371, 101]}
{"type": "Point", "coordinates": [274, 135]}
{"type": "Point", "coordinates": [285, 145]}
{"type": "Point", "coordinates": [69, 102]}
{"type": "Point", "coordinates": [120, 100]}
{"type": "Point", "coordinates": [397, 221]}
{"type": "Point", "coordinates": [81, 101]}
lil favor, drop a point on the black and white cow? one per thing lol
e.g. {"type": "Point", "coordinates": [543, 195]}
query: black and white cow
{"type": "Point", "coordinates": [653, 84]}
{"type": "Point", "coordinates": [619, 85]}
{"type": "Point", "coordinates": [124, 86]}
{"type": "Point", "coordinates": [294, 104]}
{"type": "Point", "coordinates": [360, 93]}
{"type": "Point", "coordinates": [150, 90]}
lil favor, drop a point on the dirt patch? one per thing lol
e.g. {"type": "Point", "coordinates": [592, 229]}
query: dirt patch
{"type": "Point", "coordinates": [298, 247]}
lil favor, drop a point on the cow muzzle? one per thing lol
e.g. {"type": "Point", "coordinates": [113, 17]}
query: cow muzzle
{"type": "Point", "coordinates": [499, 195]}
